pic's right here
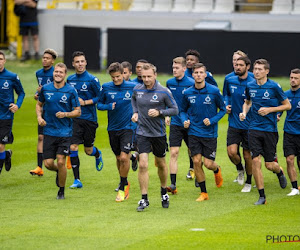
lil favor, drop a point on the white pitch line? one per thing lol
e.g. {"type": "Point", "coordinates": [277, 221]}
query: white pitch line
{"type": "Point", "coordinates": [197, 229]}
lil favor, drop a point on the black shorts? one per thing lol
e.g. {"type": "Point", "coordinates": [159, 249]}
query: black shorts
{"type": "Point", "coordinates": [40, 130]}
{"type": "Point", "coordinates": [53, 146]}
{"type": "Point", "coordinates": [207, 147]}
{"type": "Point", "coordinates": [291, 144]}
{"type": "Point", "coordinates": [84, 132]}
{"type": "Point", "coordinates": [121, 141]}
{"type": "Point", "coordinates": [177, 134]}
{"type": "Point", "coordinates": [134, 143]}
{"type": "Point", "coordinates": [157, 145]}
{"type": "Point", "coordinates": [237, 136]}
{"type": "Point", "coordinates": [6, 135]}
{"type": "Point", "coordinates": [24, 30]}
{"type": "Point", "coordinates": [263, 143]}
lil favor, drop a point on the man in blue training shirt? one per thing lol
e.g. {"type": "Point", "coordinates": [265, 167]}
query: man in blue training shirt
{"type": "Point", "coordinates": [291, 139]}
{"type": "Point", "coordinates": [43, 76]}
{"type": "Point", "coordinates": [177, 85]}
{"type": "Point", "coordinates": [127, 72]}
{"type": "Point", "coordinates": [116, 98]}
{"type": "Point", "coordinates": [84, 127]}
{"type": "Point", "coordinates": [263, 96]}
{"type": "Point", "coordinates": [151, 102]}
{"type": "Point", "coordinates": [237, 133]}
{"type": "Point", "coordinates": [199, 113]}
{"type": "Point", "coordinates": [9, 82]}
{"type": "Point", "coordinates": [192, 57]}
{"type": "Point", "coordinates": [138, 70]}
{"type": "Point", "coordinates": [59, 102]}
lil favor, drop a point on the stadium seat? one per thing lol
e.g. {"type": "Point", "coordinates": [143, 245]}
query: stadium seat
{"type": "Point", "coordinates": [296, 9]}
{"type": "Point", "coordinates": [281, 7]}
{"type": "Point", "coordinates": [224, 6]}
{"type": "Point", "coordinates": [183, 5]}
{"type": "Point", "coordinates": [203, 6]}
{"type": "Point", "coordinates": [141, 5]}
{"type": "Point", "coordinates": [162, 5]}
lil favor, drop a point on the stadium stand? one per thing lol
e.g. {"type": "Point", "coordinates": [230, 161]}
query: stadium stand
{"type": "Point", "coordinates": [281, 7]}
{"type": "Point", "coordinates": [183, 6]}
{"type": "Point", "coordinates": [141, 5]}
{"type": "Point", "coordinates": [162, 5]}
{"type": "Point", "coordinates": [203, 6]}
{"type": "Point", "coordinates": [224, 6]}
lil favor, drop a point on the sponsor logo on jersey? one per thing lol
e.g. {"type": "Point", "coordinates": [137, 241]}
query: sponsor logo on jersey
{"type": "Point", "coordinates": [139, 94]}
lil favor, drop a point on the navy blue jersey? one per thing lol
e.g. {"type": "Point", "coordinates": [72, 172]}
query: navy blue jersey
{"type": "Point", "coordinates": [44, 76]}
{"type": "Point", "coordinates": [136, 80]}
{"type": "Point", "coordinates": [177, 87]}
{"type": "Point", "coordinates": [268, 95]}
{"type": "Point", "coordinates": [231, 74]}
{"type": "Point", "coordinates": [199, 104]}
{"type": "Point", "coordinates": [292, 120]}
{"type": "Point", "coordinates": [235, 93]}
{"type": "Point", "coordinates": [209, 78]}
{"type": "Point", "coordinates": [120, 117]}
{"type": "Point", "coordinates": [64, 99]}
{"type": "Point", "coordinates": [9, 82]}
{"type": "Point", "coordinates": [87, 87]}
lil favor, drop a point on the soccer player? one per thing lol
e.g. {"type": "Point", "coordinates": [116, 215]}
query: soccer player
{"type": "Point", "coordinates": [43, 76]}
{"type": "Point", "coordinates": [116, 98]}
{"type": "Point", "coordinates": [237, 54]}
{"type": "Point", "coordinates": [151, 102]}
{"type": "Point", "coordinates": [9, 82]}
{"type": "Point", "coordinates": [192, 57]}
{"type": "Point", "coordinates": [237, 133]}
{"type": "Point", "coordinates": [84, 127]}
{"type": "Point", "coordinates": [127, 70]}
{"type": "Point", "coordinates": [60, 103]}
{"type": "Point", "coordinates": [138, 70]}
{"type": "Point", "coordinates": [177, 85]}
{"type": "Point", "coordinates": [199, 113]}
{"type": "Point", "coordinates": [264, 96]}
{"type": "Point", "coordinates": [291, 139]}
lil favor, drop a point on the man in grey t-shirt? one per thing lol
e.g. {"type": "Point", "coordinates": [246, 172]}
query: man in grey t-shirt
{"type": "Point", "coordinates": [151, 102]}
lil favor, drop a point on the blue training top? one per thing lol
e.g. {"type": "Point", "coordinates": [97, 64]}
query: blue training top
{"type": "Point", "coordinates": [292, 120]}
{"type": "Point", "coordinates": [136, 80]}
{"type": "Point", "coordinates": [119, 118]}
{"type": "Point", "coordinates": [177, 87]}
{"type": "Point", "coordinates": [44, 76]}
{"type": "Point", "coordinates": [9, 82]}
{"type": "Point", "coordinates": [199, 104]}
{"type": "Point", "coordinates": [64, 99]}
{"type": "Point", "coordinates": [209, 77]}
{"type": "Point", "coordinates": [269, 94]}
{"type": "Point", "coordinates": [235, 96]}
{"type": "Point", "coordinates": [87, 87]}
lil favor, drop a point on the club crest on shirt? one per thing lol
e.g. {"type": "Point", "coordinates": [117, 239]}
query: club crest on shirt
{"type": "Point", "coordinates": [298, 106]}
{"type": "Point", "coordinates": [207, 100]}
{"type": "Point", "coordinates": [84, 87]}
{"type": "Point", "coordinates": [154, 98]}
{"type": "Point", "coordinates": [266, 95]}
{"type": "Point", "coordinates": [127, 96]}
{"type": "Point", "coordinates": [63, 99]}
{"type": "Point", "coordinates": [48, 80]}
{"type": "Point", "coordinates": [5, 85]}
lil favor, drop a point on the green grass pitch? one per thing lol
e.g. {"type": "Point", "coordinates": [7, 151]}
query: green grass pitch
{"type": "Point", "coordinates": [89, 218]}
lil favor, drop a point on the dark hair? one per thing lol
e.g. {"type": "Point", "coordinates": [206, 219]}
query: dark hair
{"type": "Point", "coordinates": [142, 61]}
{"type": "Point", "coordinates": [2, 53]}
{"type": "Point", "coordinates": [127, 65]}
{"type": "Point", "coordinates": [199, 65]}
{"type": "Point", "coordinates": [246, 60]}
{"type": "Point", "coordinates": [192, 52]}
{"type": "Point", "coordinates": [115, 67]}
{"type": "Point", "coordinates": [295, 71]}
{"type": "Point", "coordinates": [263, 62]}
{"type": "Point", "coordinates": [77, 53]}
